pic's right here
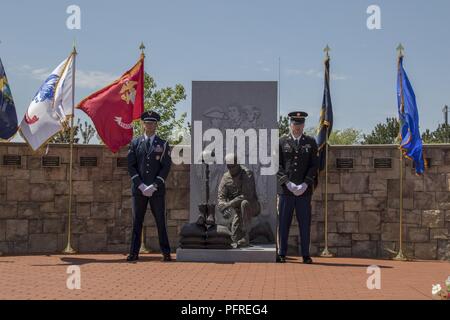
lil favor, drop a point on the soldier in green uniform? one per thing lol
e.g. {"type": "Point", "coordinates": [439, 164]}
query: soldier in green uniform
{"type": "Point", "coordinates": [298, 164]}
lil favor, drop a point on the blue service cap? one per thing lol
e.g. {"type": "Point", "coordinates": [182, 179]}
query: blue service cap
{"type": "Point", "coordinates": [297, 117]}
{"type": "Point", "coordinates": [150, 116]}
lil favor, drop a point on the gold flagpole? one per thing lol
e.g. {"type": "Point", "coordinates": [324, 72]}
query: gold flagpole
{"type": "Point", "coordinates": [142, 48]}
{"type": "Point", "coordinates": [143, 248]}
{"type": "Point", "coordinates": [69, 249]}
{"type": "Point", "coordinates": [1, 253]}
{"type": "Point", "coordinates": [400, 255]}
{"type": "Point", "coordinates": [326, 253]}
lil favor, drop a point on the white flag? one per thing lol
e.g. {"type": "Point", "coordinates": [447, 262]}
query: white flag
{"type": "Point", "coordinates": [50, 107]}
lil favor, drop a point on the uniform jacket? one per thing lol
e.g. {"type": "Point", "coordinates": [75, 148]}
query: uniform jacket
{"type": "Point", "coordinates": [297, 164]}
{"type": "Point", "coordinates": [149, 166]}
{"type": "Point", "coordinates": [231, 187]}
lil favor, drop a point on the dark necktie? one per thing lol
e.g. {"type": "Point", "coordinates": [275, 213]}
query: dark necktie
{"type": "Point", "coordinates": [149, 145]}
{"type": "Point", "coordinates": [297, 143]}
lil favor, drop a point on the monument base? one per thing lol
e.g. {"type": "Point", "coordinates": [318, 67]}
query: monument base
{"type": "Point", "coordinates": [255, 253]}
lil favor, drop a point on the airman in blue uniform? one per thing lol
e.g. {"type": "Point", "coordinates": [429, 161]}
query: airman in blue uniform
{"type": "Point", "coordinates": [149, 164]}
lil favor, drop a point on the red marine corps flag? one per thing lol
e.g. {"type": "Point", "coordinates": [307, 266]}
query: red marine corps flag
{"type": "Point", "coordinates": [113, 108]}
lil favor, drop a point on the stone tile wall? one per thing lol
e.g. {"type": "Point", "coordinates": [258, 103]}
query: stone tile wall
{"type": "Point", "coordinates": [363, 203]}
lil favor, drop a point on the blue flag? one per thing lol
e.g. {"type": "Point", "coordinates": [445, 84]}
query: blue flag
{"type": "Point", "coordinates": [326, 118]}
{"type": "Point", "coordinates": [8, 115]}
{"type": "Point", "coordinates": [411, 141]}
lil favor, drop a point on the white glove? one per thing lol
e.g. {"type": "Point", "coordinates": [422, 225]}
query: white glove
{"type": "Point", "coordinates": [148, 192]}
{"type": "Point", "coordinates": [291, 186]}
{"type": "Point", "coordinates": [142, 187]}
{"type": "Point", "coordinates": [300, 189]}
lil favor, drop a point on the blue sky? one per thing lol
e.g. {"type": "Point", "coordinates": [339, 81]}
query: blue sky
{"type": "Point", "coordinates": [241, 40]}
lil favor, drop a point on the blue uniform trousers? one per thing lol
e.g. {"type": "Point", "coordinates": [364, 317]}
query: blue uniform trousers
{"type": "Point", "coordinates": [157, 205]}
{"type": "Point", "coordinates": [286, 206]}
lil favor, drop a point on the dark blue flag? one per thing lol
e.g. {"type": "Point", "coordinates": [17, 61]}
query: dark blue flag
{"type": "Point", "coordinates": [8, 115]}
{"type": "Point", "coordinates": [326, 118]}
{"type": "Point", "coordinates": [411, 141]}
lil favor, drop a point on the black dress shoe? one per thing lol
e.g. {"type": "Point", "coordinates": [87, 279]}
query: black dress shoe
{"type": "Point", "coordinates": [281, 259]}
{"type": "Point", "coordinates": [132, 257]}
{"type": "Point", "coordinates": [307, 260]}
{"type": "Point", "coordinates": [166, 257]}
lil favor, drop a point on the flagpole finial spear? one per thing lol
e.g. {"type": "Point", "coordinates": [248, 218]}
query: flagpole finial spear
{"type": "Point", "coordinates": [74, 51]}
{"type": "Point", "coordinates": [327, 49]}
{"type": "Point", "coordinates": [400, 50]}
{"type": "Point", "coordinates": [142, 48]}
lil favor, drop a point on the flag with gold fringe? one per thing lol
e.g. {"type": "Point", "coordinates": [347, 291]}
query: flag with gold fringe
{"type": "Point", "coordinates": [411, 141]}
{"type": "Point", "coordinates": [326, 116]}
{"type": "Point", "coordinates": [51, 106]}
{"type": "Point", "coordinates": [8, 115]}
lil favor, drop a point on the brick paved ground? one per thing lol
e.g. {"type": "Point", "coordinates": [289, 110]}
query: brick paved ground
{"type": "Point", "coordinates": [107, 276]}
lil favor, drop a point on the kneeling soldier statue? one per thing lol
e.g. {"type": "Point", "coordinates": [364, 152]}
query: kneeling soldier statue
{"type": "Point", "coordinates": [237, 199]}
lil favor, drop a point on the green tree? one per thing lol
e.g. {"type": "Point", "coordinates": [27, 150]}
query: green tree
{"type": "Point", "coordinates": [383, 133]}
{"type": "Point", "coordinates": [427, 136]}
{"type": "Point", "coordinates": [347, 136]}
{"type": "Point", "coordinates": [87, 131]}
{"type": "Point", "coordinates": [283, 125]}
{"type": "Point", "coordinates": [440, 135]}
{"type": "Point", "coordinates": [64, 135]}
{"type": "Point", "coordinates": [163, 101]}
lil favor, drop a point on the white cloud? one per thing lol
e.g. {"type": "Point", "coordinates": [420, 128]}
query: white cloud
{"type": "Point", "coordinates": [314, 73]}
{"type": "Point", "coordinates": [40, 74]}
{"type": "Point", "coordinates": [93, 79]}
{"type": "Point", "coordinates": [84, 79]}
{"type": "Point", "coordinates": [295, 72]}
{"type": "Point", "coordinates": [335, 76]}
{"type": "Point", "coordinates": [261, 66]}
